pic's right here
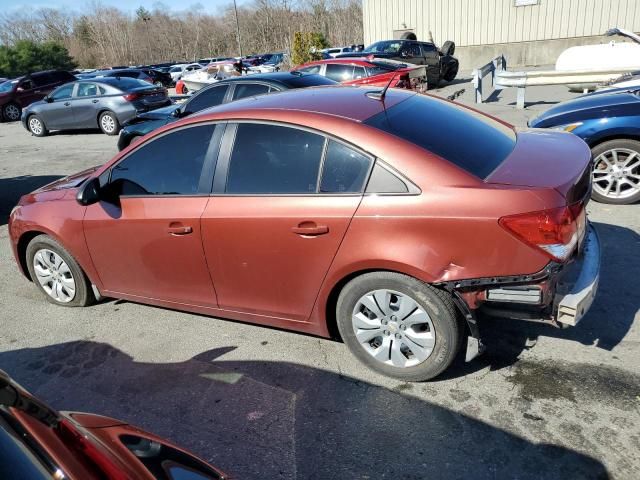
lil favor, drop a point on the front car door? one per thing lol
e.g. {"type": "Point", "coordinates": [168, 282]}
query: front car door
{"type": "Point", "coordinates": [283, 200]}
{"type": "Point", "coordinates": [146, 240]}
{"type": "Point", "coordinates": [58, 113]}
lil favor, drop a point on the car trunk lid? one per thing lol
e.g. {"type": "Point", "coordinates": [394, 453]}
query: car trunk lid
{"type": "Point", "coordinates": [547, 159]}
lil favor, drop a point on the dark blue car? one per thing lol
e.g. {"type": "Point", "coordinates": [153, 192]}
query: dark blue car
{"type": "Point", "coordinates": [610, 124]}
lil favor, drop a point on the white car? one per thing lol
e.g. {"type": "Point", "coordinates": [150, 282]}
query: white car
{"type": "Point", "coordinates": [335, 51]}
{"type": "Point", "coordinates": [177, 71]}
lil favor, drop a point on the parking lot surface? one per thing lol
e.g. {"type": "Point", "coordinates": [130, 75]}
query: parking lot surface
{"type": "Point", "coordinates": [264, 403]}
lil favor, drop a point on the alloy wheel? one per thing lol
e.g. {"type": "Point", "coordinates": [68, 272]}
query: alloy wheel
{"type": "Point", "coordinates": [54, 275]}
{"type": "Point", "coordinates": [393, 328]}
{"type": "Point", "coordinates": [12, 112]}
{"type": "Point", "coordinates": [616, 173]}
{"type": "Point", "coordinates": [107, 123]}
{"type": "Point", "coordinates": [35, 126]}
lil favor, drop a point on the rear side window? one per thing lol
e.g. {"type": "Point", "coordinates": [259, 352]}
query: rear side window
{"type": "Point", "coordinates": [472, 141]}
{"type": "Point", "coordinates": [209, 97]}
{"type": "Point", "coordinates": [339, 72]}
{"type": "Point", "coordinates": [311, 69]}
{"type": "Point", "coordinates": [169, 165]}
{"type": "Point", "coordinates": [274, 159]}
{"type": "Point", "coordinates": [249, 90]}
{"type": "Point", "coordinates": [344, 170]}
{"type": "Point", "coordinates": [358, 72]}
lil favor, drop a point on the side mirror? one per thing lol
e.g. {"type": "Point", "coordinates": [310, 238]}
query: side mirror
{"type": "Point", "coordinates": [177, 113]}
{"type": "Point", "coordinates": [89, 193]}
{"type": "Point", "coordinates": [48, 99]}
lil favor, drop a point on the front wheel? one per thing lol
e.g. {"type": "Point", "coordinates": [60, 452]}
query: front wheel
{"type": "Point", "coordinates": [36, 126]}
{"type": "Point", "coordinates": [109, 123]}
{"type": "Point", "coordinates": [57, 274]}
{"type": "Point", "coordinates": [398, 325]}
{"type": "Point", "coordinates": [616, 172]}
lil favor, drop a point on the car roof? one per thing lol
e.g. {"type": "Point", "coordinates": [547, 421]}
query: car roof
{"type": "Point", "coordinates": [347, 102]}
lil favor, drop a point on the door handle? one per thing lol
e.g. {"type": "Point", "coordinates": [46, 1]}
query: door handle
{"type": "Point", "coordinates": [310, 229]}
{"type": "Point", "coordinates": [66, 104]}
{"type": "Point", "coordinates": [95, 101]}
{"type": "Point", "coordinates": [179, 229]}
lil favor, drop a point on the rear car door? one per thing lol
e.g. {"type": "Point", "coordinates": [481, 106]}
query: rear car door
{"type": "Point", "coordinates": [86, 104]}
{"type": "Point", "coordinates": [283, 200]}
{"type": "Point", "coordinates": [145, 241]}
{"type": "Point", "coordinates": [58, 114]}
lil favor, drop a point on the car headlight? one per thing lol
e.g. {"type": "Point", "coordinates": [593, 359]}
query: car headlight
{"type": "Point", "coordinates": [570, 127]}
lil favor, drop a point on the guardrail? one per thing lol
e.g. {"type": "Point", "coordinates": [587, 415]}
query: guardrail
{"type": "Point", "coordinates": [498, 64]}
{"type": "Point", "coordinates": [575, 79]}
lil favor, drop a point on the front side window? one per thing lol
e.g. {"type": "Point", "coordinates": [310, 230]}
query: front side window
{"type": "Point", "coordinates": [244, 90]}
{"type": "Point", "coordinates": [339, 72]}
{"type": "Point", "coordinates": [344, 170]}
{"type": "Point", "coordinates": [271, 159]}
{"type": "Point", "coordinates": [169, 165]}
{"type": "Point", "coordinates": [63, 92]}
{"type": "Point", "coordinates": [209, 97]}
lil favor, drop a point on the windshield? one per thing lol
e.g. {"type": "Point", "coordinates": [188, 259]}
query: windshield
{"type": "Point", "coordinates": [387, 46]}
{"type": "Point", "coordinates": [7, 86]}
{"type": "Point", "coordinates": [17, 460]}
{"type": "Point", "coordinates": [176, 69]}
{"type": "Point", "coordinates": [470, 140]}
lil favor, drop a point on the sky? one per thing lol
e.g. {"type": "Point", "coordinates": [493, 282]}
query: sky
{"type": "Point", "coordinates": [209, 6]}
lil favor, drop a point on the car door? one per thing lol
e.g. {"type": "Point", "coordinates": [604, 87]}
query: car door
{"type": "Point", "coordinates": [57, 114]}
{"type": "Point", "coordinates": [27, 92]}
{"type": "Point", "coordinates": [274, 223]}
{"type": "Point", "coordinates": [145, 238]}
{"type": "Point", "coordinates": [86, 105]}
{"type": "Point", "coordinates": [431, 58]}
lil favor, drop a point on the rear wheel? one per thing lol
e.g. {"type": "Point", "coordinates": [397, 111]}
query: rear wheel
{"type": "Point", "coordinates": [57, 274]}
{"type": "Point", "coordinates": [11, 112]}
{"type": "Point", "coordinates": [616, 172]}
{"type": "Point", "coordinates": [398, 325]}
{"type": "Point", "coordinates": [109, 123]}
{"type": "Point", "coordinates": [36, 126]}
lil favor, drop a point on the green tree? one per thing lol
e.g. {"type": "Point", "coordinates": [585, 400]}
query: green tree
{"type": "Point", "coordinates": [306, 47]}
{"type": "Point", "coordinates": [27, 56]}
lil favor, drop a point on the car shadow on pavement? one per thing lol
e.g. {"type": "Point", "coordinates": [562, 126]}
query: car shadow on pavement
{"type": "Point", "coordinates": [605, 326]}
{"type": "Point", "coordinates": [261, 419]}
{"type": "Point", "coordinates": [12, 188]}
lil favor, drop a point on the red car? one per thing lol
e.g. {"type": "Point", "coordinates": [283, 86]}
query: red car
{"type": "Point", "coordinates": [36, 442]}
{"type": "Point", "coordinates": [362, 71]}
{"type": "Point", "coordinates": [392, 219]}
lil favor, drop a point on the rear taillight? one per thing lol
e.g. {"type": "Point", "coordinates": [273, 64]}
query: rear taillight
{"type": "Point", "coordinates": [130, 97]}
{"type": "Point", "coordinates": [555, 231]}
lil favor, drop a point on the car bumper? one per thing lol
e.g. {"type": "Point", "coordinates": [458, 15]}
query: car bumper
{"type": "Point", "coordinates": [578, 286]}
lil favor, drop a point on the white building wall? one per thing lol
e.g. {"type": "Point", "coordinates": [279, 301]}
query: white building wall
{"type": "Point", "coordinates": [487, 22]}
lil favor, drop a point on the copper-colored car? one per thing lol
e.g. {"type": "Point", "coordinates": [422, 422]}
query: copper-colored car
{"type": "Point", "coordinates": [389, 217]}
{"type": "Point", "coordinates": [39, 443]}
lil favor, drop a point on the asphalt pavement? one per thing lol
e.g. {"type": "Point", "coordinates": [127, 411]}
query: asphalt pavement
{"type": "Point", "coordinates": [264, 403]}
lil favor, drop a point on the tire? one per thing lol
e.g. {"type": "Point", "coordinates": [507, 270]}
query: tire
{"type": "Point", "coordinates": [616, 172]}
{"type": "Point", "coordinates": [408, 36]}
{"type": "Point", "coordinates": [37, 126]}
{"type": "Point", "coordinates": [439, 331]}
{"type": "Point", "coordinates": [108, 123]}
{"type": "Point", "coordinates": [42, 254]}
{"type": "Point", "coordinates": [11, 112]}
{"type": "Point", "coordinates": [451, 73]}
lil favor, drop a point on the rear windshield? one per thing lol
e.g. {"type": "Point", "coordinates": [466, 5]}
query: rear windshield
{"type": "Point", "coordinates": [124, 83]}
{"type": "Point", "coordinates": [307, 80]}
{"type": "Point", "coordinates": [470, 140]}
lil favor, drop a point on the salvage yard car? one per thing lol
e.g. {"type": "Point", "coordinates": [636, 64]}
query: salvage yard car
{"type": "Point", "coordinates": [388, 216]}
{"type": "Point", "coordinates": [362, 71]}
{"type": "Point", "coordinates": [609, 122]}
{"type": "Point", "coordinates": [103, 102]}
{"type": "Point", "coordinates": [39, 443]}
{"type": "Point", "coordinates": [440, 63]}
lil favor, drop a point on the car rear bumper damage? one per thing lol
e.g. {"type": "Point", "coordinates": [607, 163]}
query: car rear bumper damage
{"type": "Point", "coordinates": [559, 295]}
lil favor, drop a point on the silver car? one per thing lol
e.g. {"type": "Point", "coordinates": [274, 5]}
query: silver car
{"type": "Point", "coordinates": [104, 103]}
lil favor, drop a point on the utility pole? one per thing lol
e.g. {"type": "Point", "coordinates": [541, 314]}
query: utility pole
{"type": "Point", "coordinates": [235, 8]}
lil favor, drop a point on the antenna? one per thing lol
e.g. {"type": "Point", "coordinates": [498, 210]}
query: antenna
{"type": "Point", "coordinates": [381, 94]}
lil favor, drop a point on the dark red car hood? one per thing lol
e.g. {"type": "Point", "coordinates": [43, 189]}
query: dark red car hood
{"type": "Point", "coordinates": [71, 181]}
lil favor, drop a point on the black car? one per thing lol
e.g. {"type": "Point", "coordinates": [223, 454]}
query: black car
{"type": "Point", "coordinates": [221, 92]}
{"type": "Point", "coordinates": [159, 77]}
{"type": "Point", "coordinates": [440, 63]}
{"type": "Point", "coordinates": [119, 73]}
